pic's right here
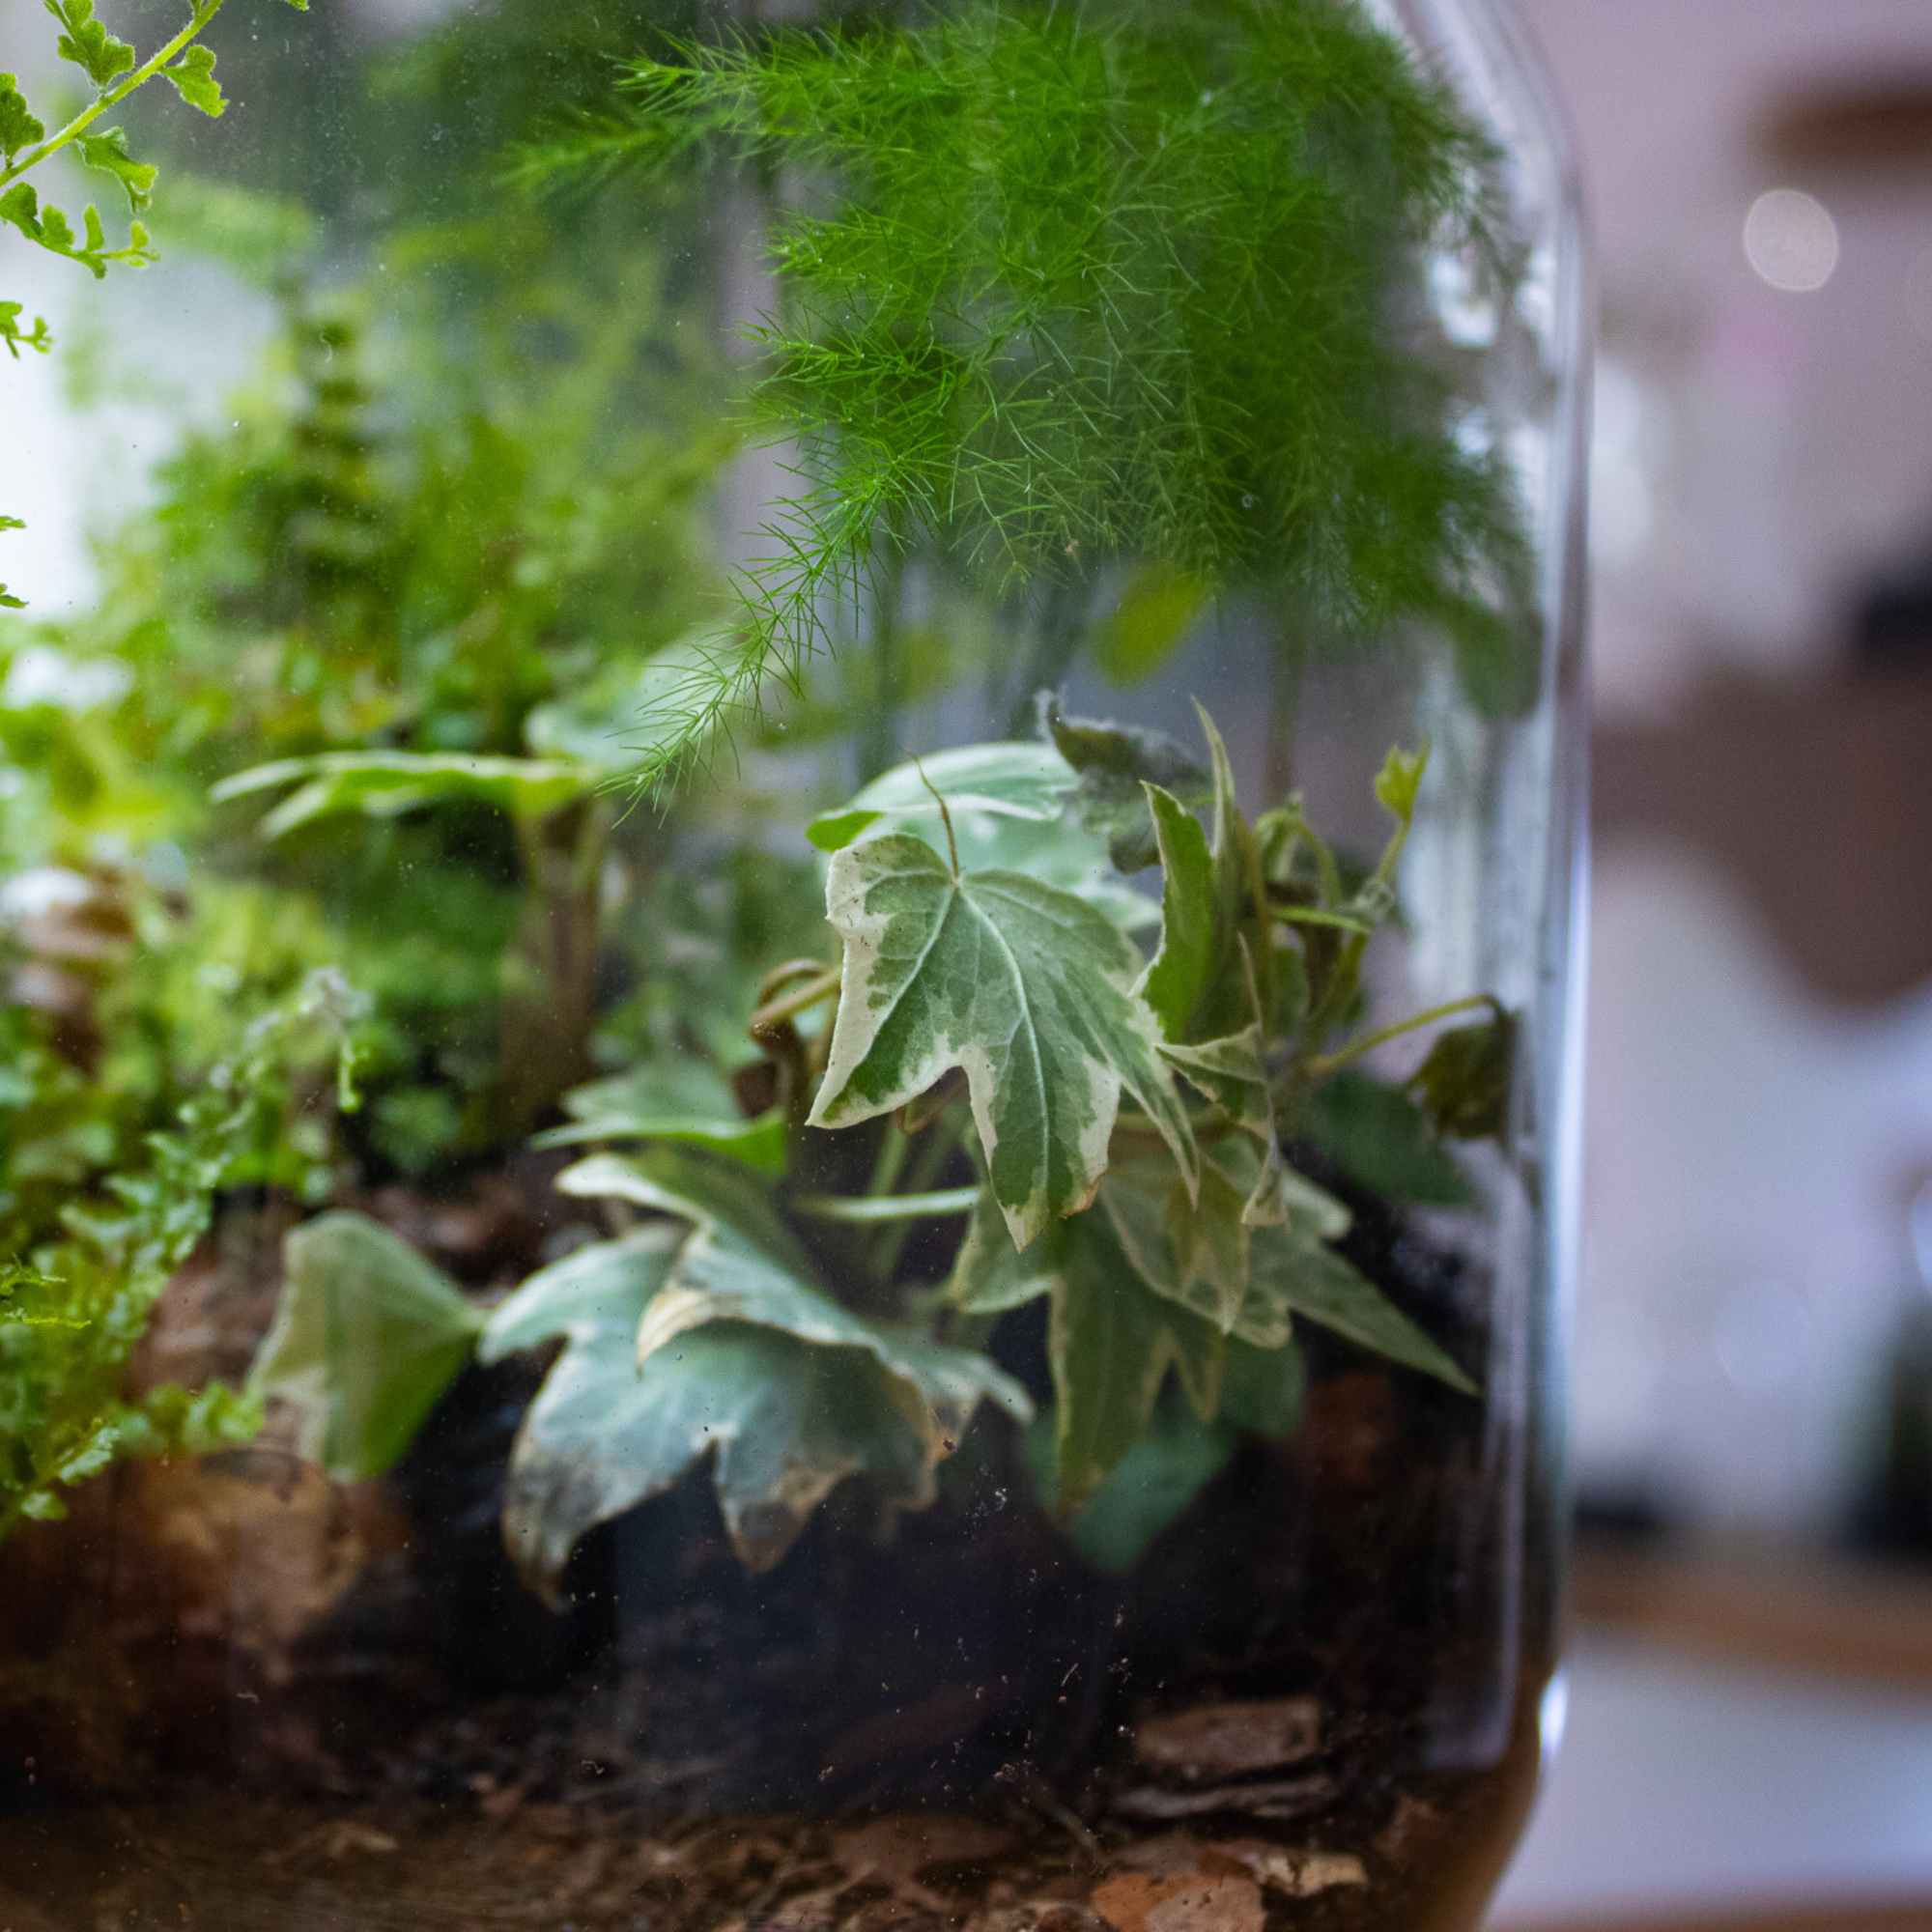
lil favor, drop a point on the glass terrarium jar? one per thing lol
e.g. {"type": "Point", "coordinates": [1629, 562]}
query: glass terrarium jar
{"type": "Point", "coordinates": [791, 970]}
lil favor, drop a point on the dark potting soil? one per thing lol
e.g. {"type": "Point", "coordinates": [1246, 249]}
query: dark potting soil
{"type": "Point", "coordinates": [962, 1724]}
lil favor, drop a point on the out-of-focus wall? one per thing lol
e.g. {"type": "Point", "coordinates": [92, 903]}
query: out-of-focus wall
{"type": "Point", "coordinates": [1761, 449]}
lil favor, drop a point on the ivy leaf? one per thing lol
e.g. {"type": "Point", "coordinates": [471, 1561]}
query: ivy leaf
{"type": "Point", "coordinates": [706, 1332]}
{"type": "Point", "coordinates": [1025, 988]}
{"type": "Point", "coordinates": [990, 1274]}
{"type": "Point", "coordinates": [19, 126]}
{"type": "Point", "coordinates": [383, 784]}
{"type": "Point", "coordinates": [108, 152]}
{"type": "Point", "coordinates": [1382, 1140]}
{"type": "Point", "coordinates": [675, 1098]}
{"type": "Point", "coordinates": [1230, 1071]}
{"type": "Point", "coordinates": [1151, 1487]}
{"type": "Point", "coordinates": [1016, 779]}
{"type": "Point", "coordinates": [784, 1422]}
{"type": "Point", "coordinates": [1110, 1344]}
{"type": "Point", "coordinates": [1294, 1270]}
{"type": "Point", "coordinates": [1054, 852]}
{"type": "Point", "coordinates": [1116, 763]}
{"type": "Point", "coordinates": [366, 1338]}
{"type": "Point", "coordinates": [1465, 1082]}
{"type": "Point", "coordinates": [1198, 984]}
{"type": "Point", "coordinates": [1188, 1248]}
{"type": "Point", "coordinates": [1264, 1390]}
{"type": "Point", "coordinates": [193, 76]}
{"type": "Point", "coordinates": [88, 44]}
{"type": "Point", "coordinates": [742, 1264]}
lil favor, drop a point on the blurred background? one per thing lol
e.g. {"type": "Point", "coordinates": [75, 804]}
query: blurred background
{"type": "Point", "coordinates": [1750, 1711]}
{"type": "Point", "coordinates": [1751, 1721]}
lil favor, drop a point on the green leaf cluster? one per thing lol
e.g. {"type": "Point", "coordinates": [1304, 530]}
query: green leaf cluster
{"type": "Point", "coordinates": [1113, 1126]}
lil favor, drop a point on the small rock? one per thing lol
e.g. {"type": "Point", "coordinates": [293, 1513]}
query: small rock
{"type": "Point", "coordinates": [1198, 1901]}
{"type": "Point", "coordinates": [1299, 1874]}
{"type": "Point", "coordinates": [1231, 1740]}
{"type": "Point", "coordinates": [1281, 1798]}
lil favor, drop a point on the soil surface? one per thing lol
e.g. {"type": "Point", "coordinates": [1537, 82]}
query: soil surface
{"type": "Point", "coordinates": [232, 1696]}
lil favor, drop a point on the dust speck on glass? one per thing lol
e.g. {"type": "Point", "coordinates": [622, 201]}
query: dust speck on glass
{"type": "Point", "coordinates": [786, 1124]}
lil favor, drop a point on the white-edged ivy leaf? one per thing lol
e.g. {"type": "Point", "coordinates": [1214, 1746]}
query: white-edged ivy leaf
{"type": "Point", "coordinates": [1027, 989]}
{"type": "Point", "coordinates": [691, 1187]}
{"type": "Point", "coordinates": [587, 1291]}
{"type": "Point", "coordinates": [108, 152]}
{"type": "Point", "coordinates": [1188, 1248]}
{"type": "Point", "coordinates": [1278, 1194]}
{"type": "Point", "coordinates": [787, 1415]}
{"type": "Point", "coordinates": [380, 784]}
{"type": "Point", "coordinates": [1151, 1487]}
{"type": "Point", "coordinates": [1016, 779]}
{"type": "Point", "coordinates": [1115, 764]}
{"type": "Point", "coordinates": [1264, 1390]}
{"type": "Point", "coordinates": [1465, 1082]}
{"type": "Point", "coordinates": [742, 1264]}
{"type": "Point", "coordinates": [19, 126]}
{"type": "Point", "coordinates": [88, 44]}
{"type": "Point", "coordinates": [193, 76]}
{"type": "Point", "coordinates": [719, 1276]}
{"type": "Point", "coordinates": [367, 1336]}
{"type": "Point", "coordinates": [1055, 852]}
{"type": "Point", "coordinates": [1382, 1140]}
{"type": "Point", "coordinates": [673, 1097]}
{"type": "Point", "coordinates": [1314, 1284]}
{"type": "Point", "coordinates": [990, 1274]}
{"type": "Point", "coordinates": [784, 1423]}
{"type": "Point", "coordinates": [1230, 1071]}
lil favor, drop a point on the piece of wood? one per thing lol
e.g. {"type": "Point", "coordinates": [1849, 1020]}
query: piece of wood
{"type": "Point", "coordinates": [1781, 1610]}
{"type": "Point", "coordinates": [1847, 1917]}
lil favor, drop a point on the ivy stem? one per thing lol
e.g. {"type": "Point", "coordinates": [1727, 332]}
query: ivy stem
{"type": "Point", "coordinates": [104, 104]}
{"type": "Point", "coordinates": [865, 1209]}
{"type": "Point", "coordinates": [1324, 1065]}
{"type": "Point", "coordinates": [775, 1013]}
{"type": "Point", "coordinates": [936, 1148]}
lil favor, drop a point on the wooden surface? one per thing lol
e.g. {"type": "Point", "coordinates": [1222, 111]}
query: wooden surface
{"type": "Point", "coordinates": [1823, 1919]}
{"type": "Point", "coordinates": [1786, 1611]}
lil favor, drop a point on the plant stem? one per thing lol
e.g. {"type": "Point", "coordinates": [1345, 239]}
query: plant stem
{"type": "Point", "coordinates": [935, 1150]}
{"type": "Point", "coordinates": [1326, 1064]}
{"type": "Point", "coordinates": [886, 1209]}
{"type": "Point", "coordinates": [775, 1013]}
{"type": "Point", "coordinates": [137, 77]}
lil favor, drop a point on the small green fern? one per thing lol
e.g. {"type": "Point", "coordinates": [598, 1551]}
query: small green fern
{"type": "Point", "coordinates": [1061, 286]}
{"type": "Point", "coordinates": [73, 1310]}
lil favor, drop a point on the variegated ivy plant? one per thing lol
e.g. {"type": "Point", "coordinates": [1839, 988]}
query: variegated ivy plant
{"type": "Point", "coordinates": [1102, 1093]}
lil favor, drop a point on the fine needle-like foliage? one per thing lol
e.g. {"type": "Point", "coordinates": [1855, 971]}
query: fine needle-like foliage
{"type": "Point", "coordinates": [1063, 285]}
{"type": "Point", "coordinates": [113, 70]}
